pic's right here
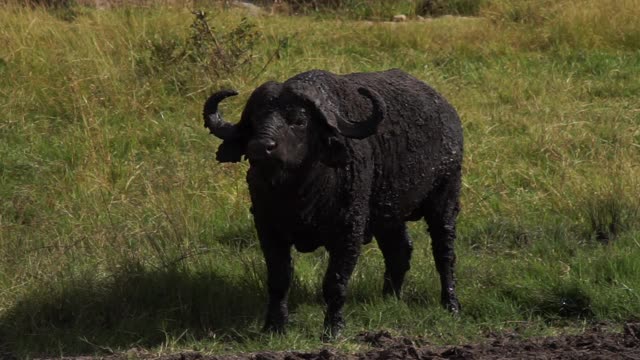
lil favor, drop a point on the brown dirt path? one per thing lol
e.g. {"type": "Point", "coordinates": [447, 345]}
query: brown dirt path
{"type": "Point", "coordinates": [595, 343]}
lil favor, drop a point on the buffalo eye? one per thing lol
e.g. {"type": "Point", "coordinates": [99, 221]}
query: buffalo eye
{"type": "Point", "coordinates": [297, 117]}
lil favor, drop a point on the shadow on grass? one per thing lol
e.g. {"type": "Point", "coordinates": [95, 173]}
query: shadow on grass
{"type": "Point", "coordinates": [135, 307]}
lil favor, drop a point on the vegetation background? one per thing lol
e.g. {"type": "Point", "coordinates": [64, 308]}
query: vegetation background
{"type": "Point", "coordinates": [119, 230]}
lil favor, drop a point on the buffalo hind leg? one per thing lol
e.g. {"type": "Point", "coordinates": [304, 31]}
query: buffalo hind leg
{"type": "Point", "coordinates": [396, 247]}
{"type": "Point", "coordinates": [441, 219]}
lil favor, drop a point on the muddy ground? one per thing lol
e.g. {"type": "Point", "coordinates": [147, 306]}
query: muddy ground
{"type": "Point", "coordinates": [599, 342]}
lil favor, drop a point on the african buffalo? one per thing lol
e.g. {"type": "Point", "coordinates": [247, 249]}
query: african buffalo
{"type": "Point", "coordinates": [338, 159]}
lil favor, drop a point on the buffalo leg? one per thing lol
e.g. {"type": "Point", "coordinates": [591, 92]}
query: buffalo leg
{"type": "Point", "coordinates": [279, 273]}
{"type": "Point", "coordinates": [342, 262]}
{"type": "Point", "coordinates": [441, 219]}
{"type": "Point", "coordinates": [396, 247]}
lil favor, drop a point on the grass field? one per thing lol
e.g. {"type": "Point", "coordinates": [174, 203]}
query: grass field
{"type": "Point", "coordinates": [118, 229]}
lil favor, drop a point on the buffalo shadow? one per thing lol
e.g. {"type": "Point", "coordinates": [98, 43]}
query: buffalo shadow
{"type": "Point", "coordinates": [135, 307]}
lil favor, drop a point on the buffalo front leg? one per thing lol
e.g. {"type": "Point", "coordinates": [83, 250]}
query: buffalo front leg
{"type": "Point", "coordinates": [279, 273]}
{"type": "Point", "coordinates": [342, 262]}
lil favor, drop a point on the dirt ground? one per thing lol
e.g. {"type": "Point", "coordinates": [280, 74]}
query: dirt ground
{"type": "Point", "coordinates": [598, 342]}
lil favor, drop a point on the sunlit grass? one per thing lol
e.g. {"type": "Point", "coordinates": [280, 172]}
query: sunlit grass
{"type": "Point", "coordinates": [118, 229]}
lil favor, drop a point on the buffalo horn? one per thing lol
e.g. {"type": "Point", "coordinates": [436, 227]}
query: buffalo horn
{"type": "Point", "coordinates": [213, 119]}
{"type": "Point", "coordinates": [363, 129]}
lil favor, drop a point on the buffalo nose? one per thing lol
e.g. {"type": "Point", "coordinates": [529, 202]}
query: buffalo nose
{"type": "Point", "coordinates": [259, 149]}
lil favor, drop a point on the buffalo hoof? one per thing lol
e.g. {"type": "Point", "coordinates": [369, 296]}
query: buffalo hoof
{"type": "Point", "coordinates": [332, 330]}
{"type": "Point", "coordinates": [452, 305]}
{"type": "Point", "coordinates": [274, 328]}
{"type": "Point", "coordinates": [331, 334]}
{"type": "Point", "coordinates": [276, 320]}
{"type": "Point", "coordinates": [390, 291]}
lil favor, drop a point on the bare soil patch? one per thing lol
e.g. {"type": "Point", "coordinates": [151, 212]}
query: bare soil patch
{"type": "Point", "coordinates": [596, 343]}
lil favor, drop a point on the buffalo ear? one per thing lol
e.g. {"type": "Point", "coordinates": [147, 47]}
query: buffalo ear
{"type": "Point", "coordinates": [231, 151]}
{"type": "Point", "coordinates": [335, 152]}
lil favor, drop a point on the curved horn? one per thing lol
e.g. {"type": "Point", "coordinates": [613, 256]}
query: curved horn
{"type": "Point", "coordinates": [363, 129]}
{"type": "Point", "coordinates": [213, 119]}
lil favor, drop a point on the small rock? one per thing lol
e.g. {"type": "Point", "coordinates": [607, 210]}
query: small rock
{"type": "Point", "coordinates": [253, 10]}
{"type": "Point", "coordinates": [400, 18]}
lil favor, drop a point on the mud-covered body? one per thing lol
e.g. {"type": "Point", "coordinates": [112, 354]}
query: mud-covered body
{"type": "Point", "coordinates": [416, 148]}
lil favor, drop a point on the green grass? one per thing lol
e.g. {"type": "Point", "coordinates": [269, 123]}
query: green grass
{"type": "Point", "coordinates": [118, 229]}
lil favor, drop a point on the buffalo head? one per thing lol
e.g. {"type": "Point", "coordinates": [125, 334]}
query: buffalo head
{"type": "Point", "coordinates": [284, 125]}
